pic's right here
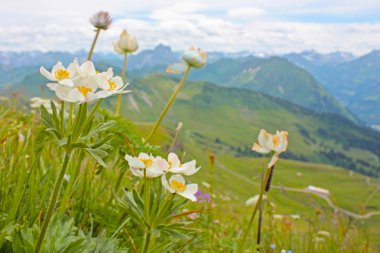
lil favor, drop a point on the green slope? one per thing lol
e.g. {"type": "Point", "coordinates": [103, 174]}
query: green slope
{"type": "Point", "coordinates": [274, 76]}
{"type": "Point", "coordinates": [229, 120]}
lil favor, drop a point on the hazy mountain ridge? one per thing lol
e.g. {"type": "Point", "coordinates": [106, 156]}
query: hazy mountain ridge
{"type": "Point", "coordinates": [274, 76]}
{"type": "Point", "coordinates": [351, 81]}
{"type": "Point", "coordinates": [355, 83]}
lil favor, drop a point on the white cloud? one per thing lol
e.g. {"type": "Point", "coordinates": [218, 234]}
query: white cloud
{"type": "Point", "coordinates": [219, 25]}
{"type": "Point", "coordinates": [249, 12]}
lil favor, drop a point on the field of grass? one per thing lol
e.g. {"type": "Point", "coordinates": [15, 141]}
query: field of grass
{"type": "Point", "coordinates": [239, 178]}
{"type": "Point", "coordinates": [87, 195]}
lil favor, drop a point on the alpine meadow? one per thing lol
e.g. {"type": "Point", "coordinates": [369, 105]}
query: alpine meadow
{"type": "Point", "coordinates": [203, 128]}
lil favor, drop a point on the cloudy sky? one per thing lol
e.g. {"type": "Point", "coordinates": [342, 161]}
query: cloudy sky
{"type": "Point", "coordinates": [262, 26]}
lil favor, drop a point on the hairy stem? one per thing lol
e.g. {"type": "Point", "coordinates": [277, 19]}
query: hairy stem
{"type": "Point", "coordinates": [171, 100]}
{"type": "Point", "coordinates": [148, 234]}
{"type": "Point", "coordinates": [53, 201]}
{"type": "Point", "coordinates": [93, 44]}
{"type": "Point", "coordinates": [122, 77]}
{"type": "Point", "coordinates": [258, 203]}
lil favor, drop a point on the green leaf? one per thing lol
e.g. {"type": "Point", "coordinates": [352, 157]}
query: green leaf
{"type": "Point", "coordinates": [46, 117]}
{"type": "Point", "coordinates": [94, 154]}
{"type": "Point", "coordinates": [79, 145]}
{"type": "Point", "coordinates": [102, 127]}
{"type": "Point", "coordinates": [103, 141]}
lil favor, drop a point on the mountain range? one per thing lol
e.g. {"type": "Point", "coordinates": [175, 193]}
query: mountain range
{"type": "Point", "coordinates": [336, 82]}
{"type": "Point", "coordinates": [355, 82]}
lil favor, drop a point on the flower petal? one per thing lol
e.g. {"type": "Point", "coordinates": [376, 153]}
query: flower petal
{"type": "Point", "coordinates": [47, 74]}
{"type": "Point", "coordinates": [273, 161]}
{"type": "Point", "coordinates": [166, 184]}
{"type": "Point", "coordinates": [257, 148]}
{"type": "Point", "coordinates": [174, 160]}
{"type": "Point", "coordinates": [176, 68]}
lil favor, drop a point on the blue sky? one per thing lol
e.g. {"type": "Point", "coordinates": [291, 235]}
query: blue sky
{"type": "Point", "coordinates": [268, 27]}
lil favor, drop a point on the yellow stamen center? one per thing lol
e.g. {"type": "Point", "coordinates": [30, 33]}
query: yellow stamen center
{"type": "Point", "coordinates": [112, 85]}
{"type": "Point", "coordinates": [146, 161]}
{"type": "Point", "coordinates": [84, 90]}
{"type": "Point", "coordinates": [177, 186]}
{"type": "Point", "coordinates": [61, 74]}
{"type": "Point", "coordinates": [275, 140]}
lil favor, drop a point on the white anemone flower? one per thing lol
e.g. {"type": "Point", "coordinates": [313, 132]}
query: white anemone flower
{"type": "Point", "coordinates": [268, 143]}
{"type": "Point", "coordinates": [176, 167]}
{"type": "Point", "coordinates": [178, 185]}
{"type": "Point", "coordinates": [60, 74]}
{"type": "Point", "coordinates": [114, 85]}
{"type": "Point", "coordinates": [84, 82]}
{"type": "Point", "coordinates": [153, 166]}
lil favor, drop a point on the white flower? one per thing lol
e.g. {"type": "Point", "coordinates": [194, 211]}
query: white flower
{"type": "Point", "coordinates": [37, 102]}
{"type": "Point", "coordinates": [126, 44]}
{"type": "Point", "coordinates": [253, 200]}
{"type": "Point", "coordinates": [83, 83]}
{"type": "Point", "coordinates": [153, 166]}
{"type": "Point", "coordinates": [177, 185]}
{"type": "Point", "coordinates": [323, 233]}
{"type": "Point", "coordinates": [60, 74]}
{"type": "Point", "coordinates": [296, 216]}
{"type": "Point", "coordinates": [318, 240]}
{"type": "Point", "coordinates": [267, 143]}
{"type": "Point", "coordinates": [176, 167]}
{"type": "Point", "coordinates": [195, 57]}
{"type": "Point", "coordinates": [205, 184]}
{"type": "Point", "coordinates": [101, 20]}
{"type": "Point", "coordinates": [278, 216]}
{"type": "Point", "coordinates": [113, 85]}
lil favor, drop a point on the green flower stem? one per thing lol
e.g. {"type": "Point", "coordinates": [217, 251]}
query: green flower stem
{"type": "Point", "coordinates": [120, 227]}
{"type": "Point", "coordinates": [164, 209]}
{"type": "Point", "coordinates": [148, 235]}
{"type": "Point", "coordinates": [146, 196]}
{"type": "Point", "coordinates": [258, 203]}
{"type": "Point", "coordinates": [211, 159]}
{"type": "Point", "coordinates": [62, 116]}
{"type": "Point", "coordinates": [171, 100]}
{"type": "Point", "coordinates": [70, 119]}
{"type": "Point", "coordinates": [53, 201]}
{"type": "Point", "coordinates": [93, 44]}
{"type": "Point", "coordinates": [123, 78]}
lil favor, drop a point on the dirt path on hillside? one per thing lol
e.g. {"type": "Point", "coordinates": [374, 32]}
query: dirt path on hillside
{"type": "Point", "coordinates": [284, 188]}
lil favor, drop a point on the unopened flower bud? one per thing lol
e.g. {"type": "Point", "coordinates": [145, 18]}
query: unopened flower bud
{"type": "Point", "coordinates": [195, 57]}
{"type": "Point", "coordinates": [126, 44]}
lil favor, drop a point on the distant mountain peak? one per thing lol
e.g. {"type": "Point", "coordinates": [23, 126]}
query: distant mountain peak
{"type": "Point", "coordinates": [163, 48]}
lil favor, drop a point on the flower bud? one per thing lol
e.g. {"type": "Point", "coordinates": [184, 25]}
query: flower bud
{"type": "Point", "coordinates": [101, 20]}
{"type": "Point", "coordinates": [195, 57]}
{"type": "Point", "coordinates": [126, 43]}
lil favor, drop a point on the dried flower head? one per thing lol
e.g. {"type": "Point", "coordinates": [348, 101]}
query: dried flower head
{"type": "Point", "coordinates": [101, 20]}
